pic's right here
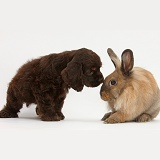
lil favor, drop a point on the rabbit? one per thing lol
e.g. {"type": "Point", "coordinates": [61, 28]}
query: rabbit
{"type": "Point", "coordinates": [132, 92]}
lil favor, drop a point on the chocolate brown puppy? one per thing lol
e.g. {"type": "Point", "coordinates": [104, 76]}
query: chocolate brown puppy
{"type": "Point", "coordinates": [45, 81]}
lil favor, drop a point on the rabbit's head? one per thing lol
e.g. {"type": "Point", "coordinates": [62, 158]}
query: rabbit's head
{"type": "Point", "coordinates": [116, 82]}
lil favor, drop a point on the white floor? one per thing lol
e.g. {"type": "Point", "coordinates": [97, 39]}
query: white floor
{"type": "Point", "coordinates": [77, 138]}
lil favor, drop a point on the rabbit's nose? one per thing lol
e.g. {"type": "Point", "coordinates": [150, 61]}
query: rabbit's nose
{"type": "Point", "coordinates": [102, 89]}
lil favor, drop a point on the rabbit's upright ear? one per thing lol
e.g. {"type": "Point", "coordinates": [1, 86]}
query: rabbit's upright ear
{"type": "Point", "coordinates": [72, 75]}
{"type": "Point", "coordinates": [116, 61]}
{"type": "Point", "coordinates": [127, 61]}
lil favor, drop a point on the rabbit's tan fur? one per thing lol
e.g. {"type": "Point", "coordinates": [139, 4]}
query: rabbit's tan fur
{"type": "Point", "coordinates": [135, 96]}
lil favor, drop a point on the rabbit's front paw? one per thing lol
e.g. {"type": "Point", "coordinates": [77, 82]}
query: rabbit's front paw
{"type": "Point", "coordinates": [116, 117]}
{"type": "Point", "coordinates": [110, 120]}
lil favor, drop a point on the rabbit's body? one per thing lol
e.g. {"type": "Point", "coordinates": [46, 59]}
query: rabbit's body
{"type": "Point", "coordinates": [132, 94]}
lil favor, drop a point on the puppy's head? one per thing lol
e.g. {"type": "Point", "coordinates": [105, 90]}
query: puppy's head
{"type": "Point", "coordinates": [83, 69]}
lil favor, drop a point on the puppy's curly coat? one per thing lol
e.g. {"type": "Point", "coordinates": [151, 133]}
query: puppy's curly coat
{"type": "Point", "coordinates": [45, 81]}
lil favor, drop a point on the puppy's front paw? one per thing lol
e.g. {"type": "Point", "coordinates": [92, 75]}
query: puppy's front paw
{"type": "Point", "coordinates": [61, 116]}
{"type": "Point", "coordinates": [53, 117]}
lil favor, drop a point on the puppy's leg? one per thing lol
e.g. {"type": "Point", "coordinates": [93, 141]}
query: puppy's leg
{"type": "Point", "coordinates": [58, 107]}
{"type": "Point", "coordinates": [46, 107]}
{"type": "Point", "coordinates": [46, 112]}
{"type": "Point", "coordinates": [12, 106]}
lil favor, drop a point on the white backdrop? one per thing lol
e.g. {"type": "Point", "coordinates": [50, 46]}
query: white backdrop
{"type": "Point", "coordinates": [32, 28]}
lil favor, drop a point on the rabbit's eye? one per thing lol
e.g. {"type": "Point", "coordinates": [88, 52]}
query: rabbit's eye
{"type": "Point", "coordinates": [112, 83]}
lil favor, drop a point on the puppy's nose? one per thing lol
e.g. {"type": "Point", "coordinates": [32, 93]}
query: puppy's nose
{"type": "Point", "coordinates": [101, 79]}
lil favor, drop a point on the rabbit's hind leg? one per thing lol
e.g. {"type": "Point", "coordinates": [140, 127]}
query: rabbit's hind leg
{"type": "Point", "coordinates": [144, 117]}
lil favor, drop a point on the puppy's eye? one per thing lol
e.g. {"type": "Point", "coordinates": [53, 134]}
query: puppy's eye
{"type": "Point", "coordinates": [112, 83]}
{"type": "Point", "coordinates": [90, 73]}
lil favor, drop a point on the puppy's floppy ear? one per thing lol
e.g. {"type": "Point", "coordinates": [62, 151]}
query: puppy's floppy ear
{"type": "Point", "coordinates": [72, 75]}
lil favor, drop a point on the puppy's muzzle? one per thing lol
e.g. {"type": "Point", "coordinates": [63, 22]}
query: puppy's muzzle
{"type": "Point", "coordinates": [101, 79]}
